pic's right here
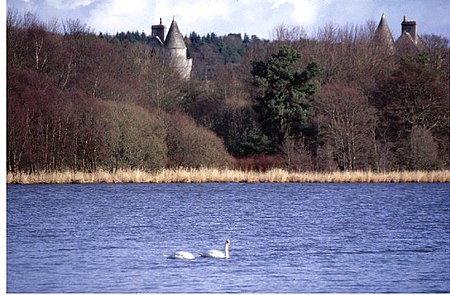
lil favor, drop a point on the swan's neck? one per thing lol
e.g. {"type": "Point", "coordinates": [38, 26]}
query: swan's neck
{"type": "Point", "coordinates": [227, 251]}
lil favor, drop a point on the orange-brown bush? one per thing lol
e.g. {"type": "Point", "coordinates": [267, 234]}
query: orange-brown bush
{"type": "Point", "coordinates": [258, 162]}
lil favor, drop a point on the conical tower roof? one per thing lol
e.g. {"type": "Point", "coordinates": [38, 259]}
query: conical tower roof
{"type": "Point", "coordinates": [174, 39]}
{"type": "Point", "coordinates": [383, 34]}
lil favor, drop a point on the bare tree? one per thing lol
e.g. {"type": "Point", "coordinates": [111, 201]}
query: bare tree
{"type": "Point", "coordinates": [297, 156]}
{"type": "Point", "coordinates": [289, 33]}
{"type": "Point", "coordinates": [423, 150]}
{"type": "Point", "coordinates": [160, 81]}
{"type": "Point", "coordinates": [347, 122]}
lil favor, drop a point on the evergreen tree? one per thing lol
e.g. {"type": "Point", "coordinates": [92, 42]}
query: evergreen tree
{"type": "Point", "coordinates": [246, 38]}
{"type": "Point", "coordinates": [283, 105]}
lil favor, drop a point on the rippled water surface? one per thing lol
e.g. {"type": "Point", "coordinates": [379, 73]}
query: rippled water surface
{"type": "Point", "coordinates": [284, 238]}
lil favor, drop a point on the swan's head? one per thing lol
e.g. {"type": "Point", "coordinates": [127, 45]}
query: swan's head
{"type": "Point", "coordinates": [227, 250]}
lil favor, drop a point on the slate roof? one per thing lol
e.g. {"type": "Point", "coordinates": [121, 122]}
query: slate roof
{"type": "Point", "coordinates": [406, 44]}
{"type": "Point", "coordinates": [174, 39]}
{"type": "Point", "coordinates": [383, 33]}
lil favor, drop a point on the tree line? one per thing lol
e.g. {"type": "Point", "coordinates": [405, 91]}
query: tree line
{"type": "Point", "coordinates": [336, 100]}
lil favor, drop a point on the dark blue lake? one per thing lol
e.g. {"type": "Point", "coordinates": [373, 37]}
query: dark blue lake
{"type": "Point", "coordinates": [284, 238]}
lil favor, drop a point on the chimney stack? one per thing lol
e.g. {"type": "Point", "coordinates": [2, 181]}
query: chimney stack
{"type": "Point", "coordinates": [159, 31]}
{"type": "Point", "coordinates": [410, 27]}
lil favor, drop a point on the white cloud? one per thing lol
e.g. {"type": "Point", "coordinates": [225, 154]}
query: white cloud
{"type": "Point", "coordinates": [302, 12]}
{"type": "Point", "coordinates": [193, 12]}
{"type": "Point", "coordinates": [118, 15]}
{"type": "Point", "coordinates": [305, 12]}
{"type": "Point", "coordinates": [233, 16]}
{"type": "Point", "coordinates": [68, 4]}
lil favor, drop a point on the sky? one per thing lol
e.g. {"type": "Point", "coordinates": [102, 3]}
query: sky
{"type": "Point", "coordinates": [254, 17]}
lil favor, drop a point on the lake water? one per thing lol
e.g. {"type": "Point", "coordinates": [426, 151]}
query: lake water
{"type": "Point", "coordinates": [284, 238]}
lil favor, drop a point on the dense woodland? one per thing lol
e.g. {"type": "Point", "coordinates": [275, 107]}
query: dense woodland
{"type": "Point", "coordinates": [336, 100]}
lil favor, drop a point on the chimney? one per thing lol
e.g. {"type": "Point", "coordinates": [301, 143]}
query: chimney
{"type": "Point", "coordinates": [159, 31]}
{"type": "Point", "coordinates": [410, 27]}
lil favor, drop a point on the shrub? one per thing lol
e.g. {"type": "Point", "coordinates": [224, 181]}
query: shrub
{"type": "Point", "coordinates": [135, 138]}
{"type": "Point", "coordinates": [259, 162]}
{"type": "Point", "coordinates": [191, 145]}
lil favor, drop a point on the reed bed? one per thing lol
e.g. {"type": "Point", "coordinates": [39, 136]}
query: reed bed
{"type": "Point", "coordinates": [204, 175]}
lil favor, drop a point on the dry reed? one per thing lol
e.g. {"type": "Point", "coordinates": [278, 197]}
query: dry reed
{"type": "Point", "coordinates": [187, 175]}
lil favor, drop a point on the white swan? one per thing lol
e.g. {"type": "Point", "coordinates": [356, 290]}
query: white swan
{"type": "Point", "coordinates": [180, 255]}
{"type": "Point", "coordinates": [217, 253]}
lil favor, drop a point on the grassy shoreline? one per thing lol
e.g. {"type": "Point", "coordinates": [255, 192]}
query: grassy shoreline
{"type": "Point", "coordinates": [205, 175]}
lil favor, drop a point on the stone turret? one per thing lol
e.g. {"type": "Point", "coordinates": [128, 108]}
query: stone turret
{"type": "Point", "coordinates": [176, 48]}
{"type": "Point", "coordinates": [383, 34]}
{"type": "Point", "coordinates": [173, 45]}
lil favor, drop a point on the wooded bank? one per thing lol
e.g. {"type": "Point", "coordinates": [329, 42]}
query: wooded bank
{"type": "Point", "coordinates": [78, 101]}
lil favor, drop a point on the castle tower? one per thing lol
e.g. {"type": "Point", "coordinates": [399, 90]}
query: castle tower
{"type": "Point", "coordinates": [383, 34]}
{"type": "Point", "coordinates": [172, 45]}
{"type": "Point", "coordinates": [409, 41]}
{"type": "Point", "coordinates": [175, 47]}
